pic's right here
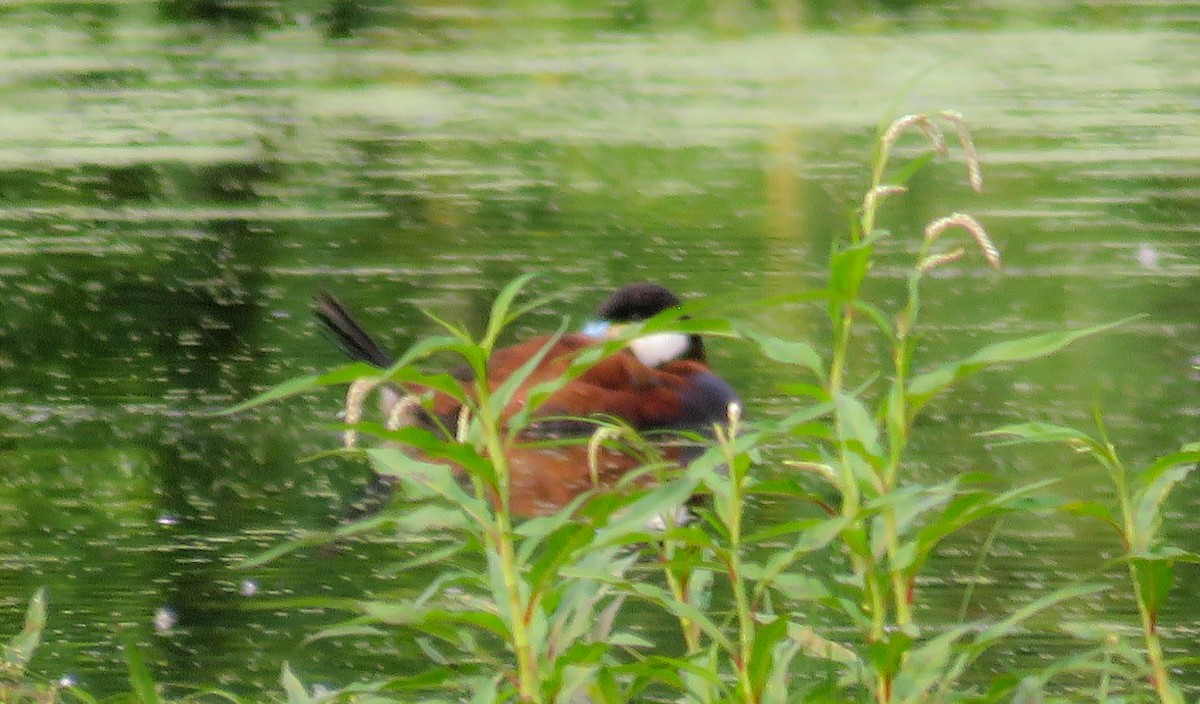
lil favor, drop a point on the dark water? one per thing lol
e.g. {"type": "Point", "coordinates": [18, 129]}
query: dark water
{"type": "Point", "coordinates": [176, 181]}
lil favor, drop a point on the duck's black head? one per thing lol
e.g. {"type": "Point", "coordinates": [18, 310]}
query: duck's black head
{"type": "Point", "coordinates": [637, 302]}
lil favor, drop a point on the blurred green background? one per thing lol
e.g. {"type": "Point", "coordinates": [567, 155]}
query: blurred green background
{"type": "Point", "coordinates": [178, 177]}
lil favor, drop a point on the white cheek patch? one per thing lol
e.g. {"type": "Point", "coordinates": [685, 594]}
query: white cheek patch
{"type": "Point", "coordinates": [659, 348]}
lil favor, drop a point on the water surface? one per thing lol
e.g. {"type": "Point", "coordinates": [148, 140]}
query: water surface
{"type": "Point", "coordinates": [176, 186]}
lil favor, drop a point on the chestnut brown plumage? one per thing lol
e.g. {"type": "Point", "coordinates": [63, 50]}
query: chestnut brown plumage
{"type": "Point", "coordinates": [671, 388]}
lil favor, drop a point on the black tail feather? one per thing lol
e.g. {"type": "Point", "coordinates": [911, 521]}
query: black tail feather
{"type": "Point", "coordinates": [348, 333]}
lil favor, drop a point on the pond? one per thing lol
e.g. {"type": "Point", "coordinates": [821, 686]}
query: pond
{"type": "Point", "coordinates": [179, 178]}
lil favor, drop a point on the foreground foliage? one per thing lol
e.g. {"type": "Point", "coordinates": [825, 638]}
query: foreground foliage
{"type": "Point", "coordinates": [547, 609]}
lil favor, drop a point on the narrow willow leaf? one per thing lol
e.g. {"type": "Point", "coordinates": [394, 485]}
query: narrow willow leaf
{"type": "Point", "coordinates": [966, 509]}
{"type": "Point", "coordinates": [436, 477]}
{"type": "Point", "coordinates": [909, 502]}
{"type": "Point", "coordinates": [398, 613]}
{"type": "Point", "coordinates": [461, 454]}
{"type": "Point", "coordinates": [443, 554]}
{"type": "Point", "coordinates": [1093, 509]}
{"type": "Point", "coordinates": [877, 316]}
{"type": "Point", "coordinates": [762, 651]}
{"type": "Point", "coordinates": [801, 587]}
{"type": "Point", "coordinates": [1167, 462]}
{"type": "Point", "coordinates": [1155, 578]}
{"type": "Point", "coordinates": [682, 610]}
{"type": "Point", "coordinates": [910, 168]}
{"type": "Point", "coordinates": [18, 650]}
{"type": "Point", "coordinates": [847, 269]}
{"type": "Point", "coordinates": [887, 653]}
{"type": "Point", "coordinates": [1172, 554]}
{"type": "Point", "coordinates": [1036, 432]}
{"type": "Point", "coordinates": [293, 687]}
{"type": "Point", "coordinates": [431, 519]}
{"type": "Point", "coordinates": [660, 502]}
{"type": "Point", "coordinates": [1149, 500]}
{"type": "Point", "coordinates": [821, 647]}
{"type": "Point", "coordinates": [815, 536]}
{"type": "Point", "coordinates": [559, 548]}
{"type": "Point", "coordinates": [623, 639]}
{"type": "Point", "coordinates": [925, 386]}
{"type": "Point", "coordinates": [857, 424]}
{"type": "Point", "coordinates": [500, 317]}
{"type": "Point", "coordinates": [1093, 631]}
{"type": "Point", "coordinates": [352, 629]}
{"type": "Point", "coordinates": [309, 540]}
{"type": "Point", "coordinates": [299, 385]}
{"type": "Point", "coordinates": [140, 680]}
{"type": "Point", "coordinates": [506, 392]}
{"type": "Point", "coordinates": [789, 352]}
{"type": "Point", "coordinates": [1001, 629]}
{"type": "Point", "coordinates": [410, 377]}
{"type": "Point", "coordinates": [929, 664]}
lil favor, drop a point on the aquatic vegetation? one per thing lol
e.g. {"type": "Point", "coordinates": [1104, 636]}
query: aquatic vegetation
{"type": "Point", "coordinates": [822, 606]}
{"type": "Point", "coordinates": [532, 610]}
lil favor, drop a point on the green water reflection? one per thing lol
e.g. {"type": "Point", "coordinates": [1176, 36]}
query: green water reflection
{"type": "Point", "coordinates": [177, 179]}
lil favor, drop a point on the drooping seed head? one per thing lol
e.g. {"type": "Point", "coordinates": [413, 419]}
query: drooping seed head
{"type": "Point", "coordinates": [934, 229]}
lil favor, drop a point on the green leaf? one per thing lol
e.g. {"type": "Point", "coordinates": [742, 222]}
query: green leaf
{"type": "Point", "coordinates": [660, 502]}
{"type": "Point", "coordinates": [1168, 462]}
{"type": "Point", "coordinates": [443, 554]}
{"type": "Point", "coordinates": [291, 387]}
{"type": "Point", "coordinates": [818, 646]}
{"type": "Point", "coordinates": [802, 417]}
{"type": "Point", "coordinates": [887, 653]}
{"type": "Point", "coordinates": [1149, 502]}
{"type": "Point", "coordinates": [402, 613]}
{"type": "Point", "coordinates": [902, 175]}
{"type": "Point", "coordinates": [436, 477]}
{"type": "Point", "coordinates": [799, 587]}
{"type": "Point", "coordinates": [1001, 629]}
{"type": "Point", "coordinates": [858, 425]}
{"type": "Point", "coordinates": [965, 509]}
{"type": "Point", "coordinates": [1093, 509]}
{"type": "Point", "coordinates": [500, 315]}
{"type": "Point", "coordinates": [140, 680]}
{"type": "Point", "coordinates": [682, 611]}
{"type": "Point", "coordinates": [559, 548]}
{"type": "Point", "coordinates": [816, 534]}
{"type": "Point", "coordinates": [502, 396]}
{"type": "Point", "coordinates": [847, 269]}
{"type": "Point", "coordinates": [309, 540]}
{"type": "Point", "coordinates": [1036, 432]}
{"type": "Point", "coordinates": [929, 664]}
{"type": "Point", "coordinates": [353, 629]}
{"type": "Point", "coordinates": [1092, 630]}
{"type": "Point", "coordinates": [20, 649]}
{"type": "Point", "coordinates": [925, 386]}
{"type": "Point", "coordinates": [1154, 578]}
{"type": "Point", "coordinates": [762, 651]}
{"type": "Point", "coordinates": [789, 352]}
{"type": "Point", "coordinates": [293, 687]}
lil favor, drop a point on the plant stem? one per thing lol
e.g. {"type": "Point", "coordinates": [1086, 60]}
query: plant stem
{"type": "Point", "coordinates": [1159, 675]}
{"type": "Point", "coordinates": [679, 591]}
{"type": "Point", "coordinates": [746, 623]}
{"type": "Point", "coordinates": [527, 680]}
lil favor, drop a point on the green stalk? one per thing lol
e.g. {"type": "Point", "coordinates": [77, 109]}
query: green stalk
{"type": "Point", "coordinates": [740, 599]}
{"type": "Point", "coordinates": [896, 425]}
{"type": "Point", "coordinates": [679, 591]}
{"type": "Point", "coordinates": [527, 679]}
{"type": "Point", "coordinates": [1160, 678]}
